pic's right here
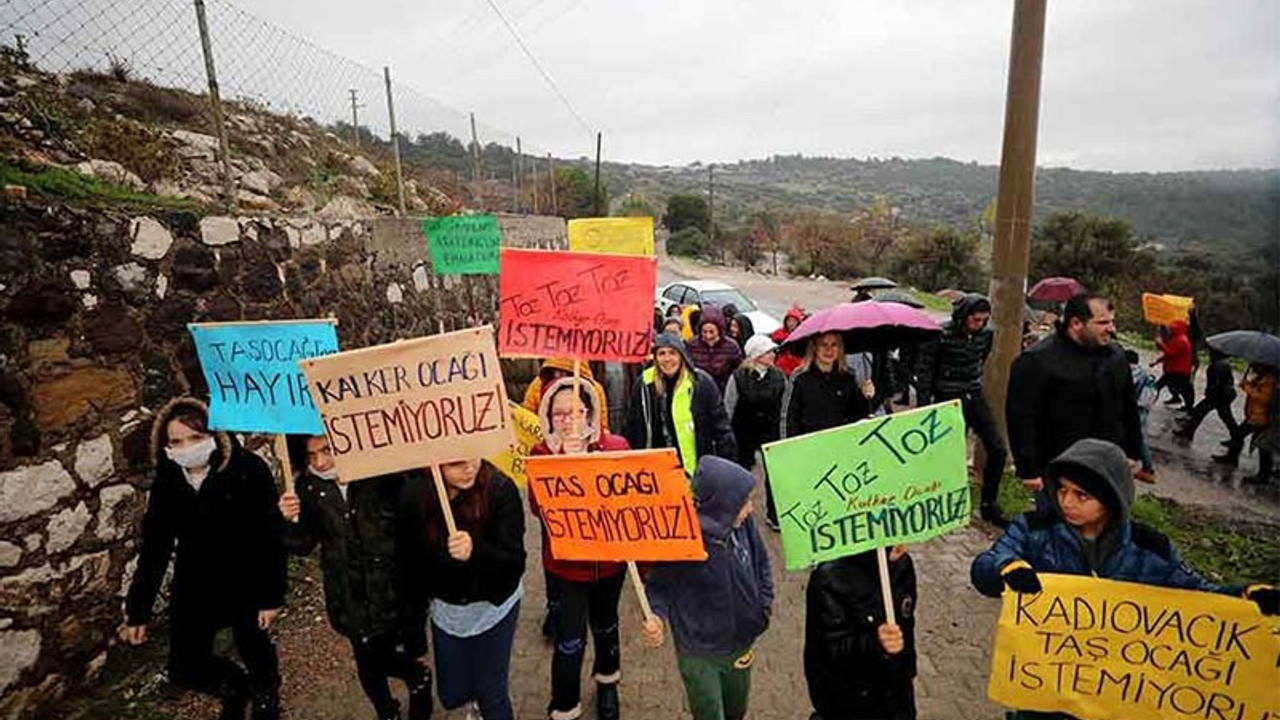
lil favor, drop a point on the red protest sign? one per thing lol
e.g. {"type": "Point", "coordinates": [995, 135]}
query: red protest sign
{"type": "Point", "coordinates": [585, 305]}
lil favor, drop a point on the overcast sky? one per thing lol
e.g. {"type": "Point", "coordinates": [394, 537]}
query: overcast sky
{"type": "Point", "coordinates": [1132, 85]}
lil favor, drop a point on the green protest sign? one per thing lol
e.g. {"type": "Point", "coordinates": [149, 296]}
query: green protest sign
{"type": "Point", "coordinates": [885, 481]}
{"type": "Point", "coordinates": [463, 244]}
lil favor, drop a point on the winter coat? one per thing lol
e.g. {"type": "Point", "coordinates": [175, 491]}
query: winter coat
{"type": "Point", "coordinates": [719, 360]}
{"type": "Point", "coordinates": [1124, 551]}
{"type": "Point", "coordinates": [850, 676]}
{"type": "Point", "coordinates": [598, 441]}
{"type": "Point", "coordinates": [753, 401]}
{"type": "Point", "coordinates": [1220, 382]}
{"type": "Point", "coordinates": [719, 606]}
{"type": "Point", "coordinates": [690, 414]}
{"type": "Point", "coordinates": [357, 553]}
{"type": "Point", "coordinates": [817, 400]}
{"type": "Point", "coordinates": [533, 393]}
{"type": "Point", "coordinates": [1060, 392]}
{"type": "Point", "coordinates": [1175, 351]}
{"type": "Point", "coordinates": [495, 567]}
{"type": "Point", "coordinates": [788, 360]}
{"type": "Point", "coordinates": [229, 558]}
{"type": "Point", "coordinates": [950, 366]}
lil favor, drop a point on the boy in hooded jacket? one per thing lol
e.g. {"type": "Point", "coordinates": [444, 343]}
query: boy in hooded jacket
{"type": "Point", "coordinates": [716, 608]}
{"type": "Point", "coordinates": [1086, 530]}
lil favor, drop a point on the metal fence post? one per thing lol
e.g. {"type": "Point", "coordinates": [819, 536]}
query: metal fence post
{"type": "Point", "coordinates": [395, 138]}
{"type": "Point", "coordinates": [224, 148]}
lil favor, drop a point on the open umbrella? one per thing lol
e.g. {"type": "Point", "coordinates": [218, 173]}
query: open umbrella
{"type": "Point", "coordinates": [897, 296]}
{"type": "Point", "coordinates": [867, 326]}
{"type": "Point", "coordinates": [1256, 347]}
{"type": "Point", "coordinates": [1056, 289]}
{"type": "Point", "coordinates": [874, 283]}
{"type": "Point", "coordinates": [950, 294]}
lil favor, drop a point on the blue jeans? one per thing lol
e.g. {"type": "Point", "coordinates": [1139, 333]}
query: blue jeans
{"type": "Point", "coordinates": [1143, 442]}
{"type": "Point", "coordinates": [477, 668]}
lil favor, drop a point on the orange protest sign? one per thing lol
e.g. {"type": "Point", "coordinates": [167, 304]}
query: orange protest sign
{"type": "Point", "coordinates": [585, 305]}
{"type": "Point", "coordinates": [1165, 309]}
{"type": "Point", "coordinates": [616, 506]}
{"type": "Point", "coordinates": [412, 404]}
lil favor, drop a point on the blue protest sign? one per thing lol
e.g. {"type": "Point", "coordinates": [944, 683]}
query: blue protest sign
{"type": "Point", "coordinates": [255, 383]}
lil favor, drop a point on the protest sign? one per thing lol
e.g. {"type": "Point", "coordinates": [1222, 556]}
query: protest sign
{"type": "Point", "coordinates": [884, 481]}
{"type": "Point", "coordinates": [1166, 309]}
{"type": "Point", "coordinates": [582, 305]}
{"type": "Point", "coordinates": [412, 404]}
{"type": "Point", "coordinates": [616, 506]}
{"type": "Point", "coordinates": [528, 433]}
{"type": "Point", "coordinates": [1108, 650]}
{"type": "Point", "coordinates": [617, 236]}
{"type": "Point", "coordinates": [252, 372]}
{"type": "Point", "coordinates": [463, 244]}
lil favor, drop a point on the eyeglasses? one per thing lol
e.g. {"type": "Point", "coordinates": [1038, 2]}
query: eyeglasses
{"type": "Point", "coordinates": [567, 415]}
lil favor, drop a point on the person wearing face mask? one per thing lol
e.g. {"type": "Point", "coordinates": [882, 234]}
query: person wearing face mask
{"type": "Point", "coordinates": [677, 405]}
{"type": "Point", "coordinates": [216, 503]}
{"type": "Point", "coordinates": [471, 579]}
{"type": "Point", "coordinates": [354, 525]}
{"type": "Point", "coordinates": [586, 592]}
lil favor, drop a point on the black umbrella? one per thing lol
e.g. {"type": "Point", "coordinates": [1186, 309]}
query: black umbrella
{"type": "Point", "coordinates": [897, 296]}
{"type": "Point", "coordinates": [1256, 347]}
{"type": "Point", "coordinates": [874, 283]}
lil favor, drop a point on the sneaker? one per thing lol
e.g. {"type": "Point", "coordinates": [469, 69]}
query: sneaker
{"type": "Point", "coordinates": [472, 711]}
{"type": "Point", "coordinates": [607, 705]}
{"type": "Point", "coordinates": [1146, 476]}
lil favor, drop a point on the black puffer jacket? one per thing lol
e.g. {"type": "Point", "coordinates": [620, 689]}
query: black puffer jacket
{"type": "Point", "coordinates": [1061, 392]}
{"type": "Point", "coordinates": [817, 400]}
{"type": "Point", "coordinates": [229, 558]}
{"type": "Point", "coordinates": [357, 554]}
{"type": "Point", "coordinates": [849, 674]}
{"type": "Point", "coordinates": [951, 366]}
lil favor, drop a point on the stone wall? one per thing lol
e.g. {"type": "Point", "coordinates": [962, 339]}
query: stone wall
{"type": "Point", "coordinates": [93, 314]}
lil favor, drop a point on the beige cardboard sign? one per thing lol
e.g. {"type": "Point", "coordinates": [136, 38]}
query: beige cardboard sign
{"type": "Point", "coordinates": [412, 404]}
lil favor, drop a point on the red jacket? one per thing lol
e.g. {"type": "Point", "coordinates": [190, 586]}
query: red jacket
{"type": "Point", "coordinates": [787, 361]}
{"type": "Point", "coordinates": [571, 570]}
{"type": "Point", "coordinates": [1176, 351]}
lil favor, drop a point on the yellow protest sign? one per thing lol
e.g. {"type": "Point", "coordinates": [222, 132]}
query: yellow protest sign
{"type": "Point", "coordinates": [617, 236]}
{"type": "Point", "coordinates": [411, 404]}
{"type": "Point", "coordinates": [1108, 650]}
{"type": "Point", "coordinates": [1166, 309]}
{"type": "Point", "coordinates": [528, 434]}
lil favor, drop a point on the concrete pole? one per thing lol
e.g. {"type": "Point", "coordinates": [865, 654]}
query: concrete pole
{"type": "Point", "coordinates": [215, 100]}
{"type": "Point", "coordinates": [519, 164]}
{"type": "Point", "coordinates": [395, 138]}
{"type": "Point", "coordinates": [1011, 253]}
{"type": "Point", "coordinates": [596, 200]}
{"type": "Point", "coordinates": [551, 175]}
{"type": "Point", "coordinates": [475, 169]}
{"type": "Point", "coordinates": [355, 118]}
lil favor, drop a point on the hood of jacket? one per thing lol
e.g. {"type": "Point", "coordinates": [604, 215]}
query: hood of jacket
{"type": "Point", "coordinates": [721, 488]}
{"type": "Point", "coordinates": [671, 340]}
{"type": "Point", "coordinates": [1178, 328]}
{"type": "Point", "coordinates": [967, 305]}
{"type": "Point", "coordinates": [714, 315]}
{"type": "Point", "coordinates": [222, 455]}
{"type": "Point", "coordinates": [1096, 464]}
{"type": "Point", "coordinates": [747, 327]}
{"type": "Point", "coordinates": [564, 364]}
{"type": "Point", "coordinates": [591, 424]}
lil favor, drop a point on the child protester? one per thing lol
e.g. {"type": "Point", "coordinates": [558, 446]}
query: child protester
{"type": "Point", "coordinates": [586, 593]}
{"type": "Point", "coordinates": [716, 608]}
{"type": "Point", "coordinates": [1086, 530]}
{"type": "Point", "coordinates": [858, 666]}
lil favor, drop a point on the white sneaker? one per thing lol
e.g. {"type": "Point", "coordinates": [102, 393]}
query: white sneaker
{"type": "Point", "coordinates": [473, 711]}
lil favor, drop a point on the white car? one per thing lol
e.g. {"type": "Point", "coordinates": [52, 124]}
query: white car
{"type": "Point", "coordinates": [711, 292]}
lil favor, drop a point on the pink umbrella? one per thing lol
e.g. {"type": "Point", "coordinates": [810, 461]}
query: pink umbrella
{"type": "Point", "coordinates": [867, 326]}
{"type": "Point", "coordinates": [1056, 289]}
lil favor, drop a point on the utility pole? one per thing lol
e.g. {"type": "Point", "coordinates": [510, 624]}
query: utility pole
{"type": "Point", "coordinates": [1011, 252]}
{"type": "Point", "coordinates": [355, 118]}
{"type": "Point", "coordinates": [475, 165]}
{"type": "Point", "coordinates": [395, 138]}
{"type": "Point", "coordinates": [215, 99]}
{"type": "Point", "coordinates": [515, 189]}
{"type": "Point", "coordinates": [711, 208]}
{"type": "Point", "coordinates": [596, 199]}
{"type": "Point", "coordinates": [520, 169]}
{"type": "Point", "coordinates": [533, 162]}
{"type": "Point", "coordinates": [551, 176]}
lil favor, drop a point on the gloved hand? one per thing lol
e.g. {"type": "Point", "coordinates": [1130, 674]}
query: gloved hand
{"type": "Point", "coordinates": [1020, 578]}
{"type": "Point", "coordinates": [1266, 597]}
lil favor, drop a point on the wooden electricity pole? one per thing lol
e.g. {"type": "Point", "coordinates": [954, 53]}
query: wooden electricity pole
{"type": "Point", "coordinates": [1011, 254]}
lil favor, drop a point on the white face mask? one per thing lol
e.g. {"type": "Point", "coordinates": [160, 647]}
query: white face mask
{"type": "Point", "coordinates": [330, 474]}
{"type": "Point", "coordinates": [195, 456]}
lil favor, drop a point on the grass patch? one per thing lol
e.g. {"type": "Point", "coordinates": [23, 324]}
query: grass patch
{"type": "Point", "coordinates": [63, 184]}
{"type": "Point", "coordinates": [931, 301]}
{"type": "Point", "coordinates": [1223, 550]}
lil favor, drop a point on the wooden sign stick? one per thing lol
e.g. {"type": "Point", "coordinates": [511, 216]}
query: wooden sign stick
{"type": "Point", "coordinates": [442, 494]}
{"type": "Point", "coordinates": [886, 591]}
{"type": "Point", "coordinates": [634, 572]}
{"type": "Point", "coordinates": [281, 448]}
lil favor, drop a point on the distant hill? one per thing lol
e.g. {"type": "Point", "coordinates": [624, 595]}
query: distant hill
{"type": "Point", "coordinates": [1240, 206]}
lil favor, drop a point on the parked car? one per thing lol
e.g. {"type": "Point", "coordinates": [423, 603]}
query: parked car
{"type": "Point", "coordinates": [711, 292]}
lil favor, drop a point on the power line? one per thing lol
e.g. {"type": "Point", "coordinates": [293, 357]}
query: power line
{"type": "Point", "coordinates": [542, 71]}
